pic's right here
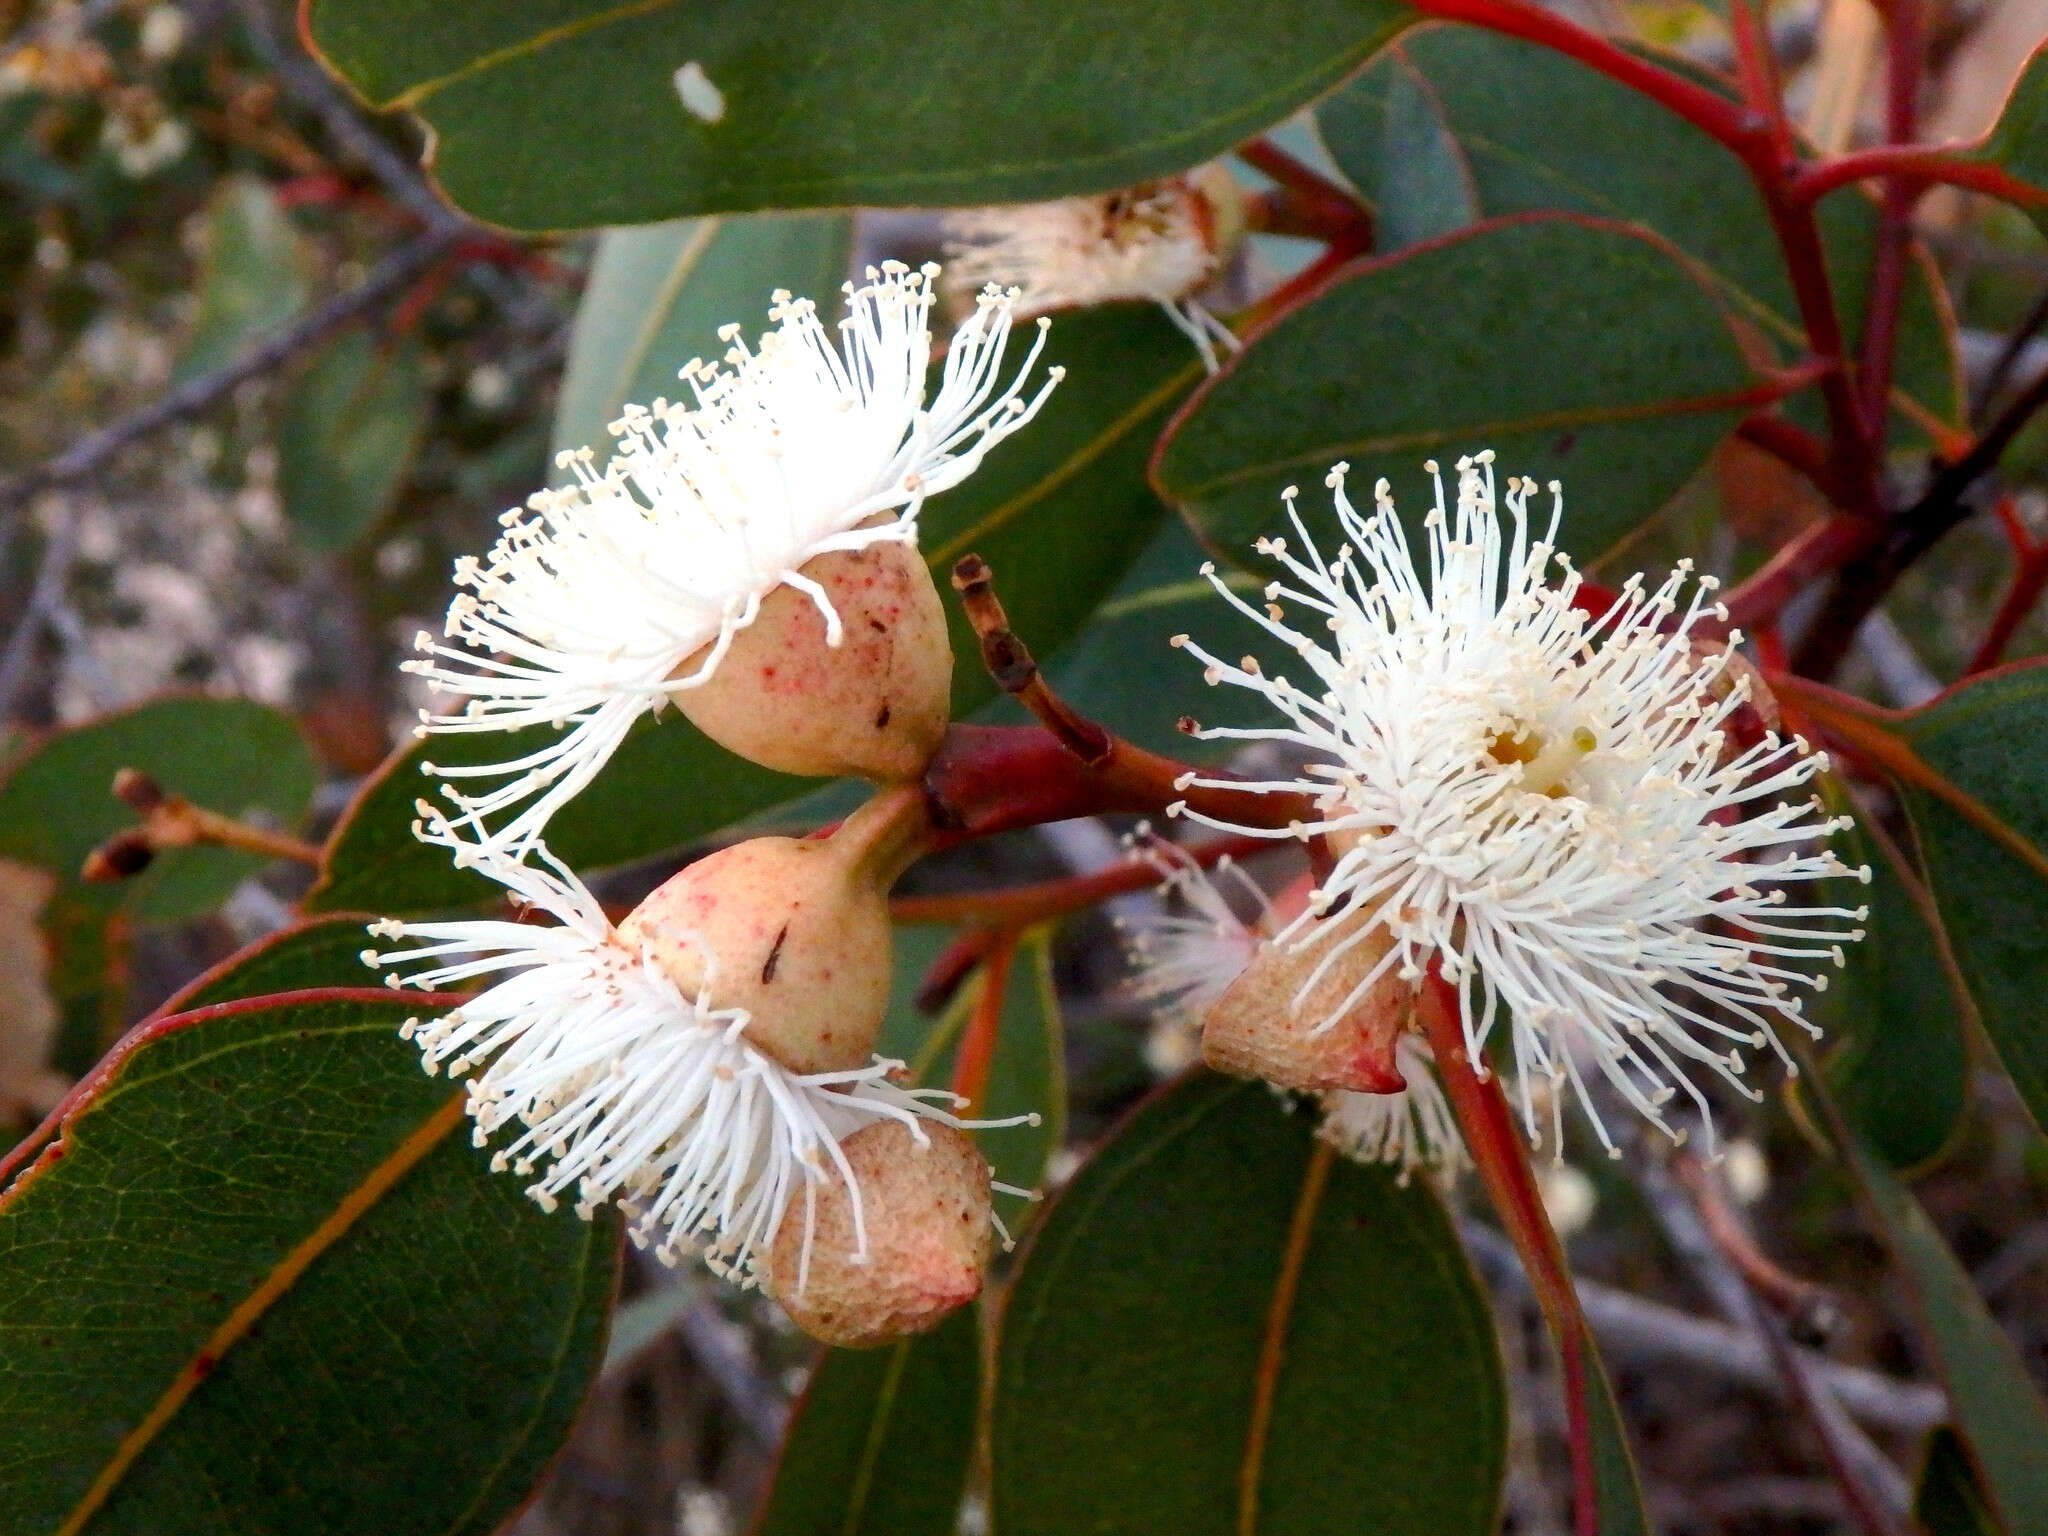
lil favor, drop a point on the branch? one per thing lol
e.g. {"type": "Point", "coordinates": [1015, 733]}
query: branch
{"type": "Point", "coordinates": [1919, 166]}
{"type": "Point", "coordinates": [1862, 583]}
{"type": "Point", "coordinates": [1641, 1332]}
{"type": "Point", "coordinates": [1305, 203]}
{"type": "Point", "coordinates": [1503, 1167]}
{"type": "Point", "coordinates": [272, 350]}
{"type": "Point", "coordinates": [1020, 906]}
{"type": "Point", "coordinates": [316, 90]}
{"type": "Point", "coordinates": [172, 821]}
{"type": "Point", "coordinates": [993, 778]}
{"type": "Point", "coordinates": [1903, 58]}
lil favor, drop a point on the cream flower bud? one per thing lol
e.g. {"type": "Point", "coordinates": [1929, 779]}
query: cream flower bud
{"type": "Point", "coordinates": [792, 932]}
{"type": "Point", "coordinates": [926, 1210]}
{"type": "Point", "coordinates": [861, 684]}
{"type": "Point", "coordinates": [1323, 1014]}
{"type": "Point", "coordinates": [1161, 240]}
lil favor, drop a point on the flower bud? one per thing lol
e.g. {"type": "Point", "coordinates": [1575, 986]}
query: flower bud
{"type": "Point", "coordinates": [1264, 1027]}
{"type": "Point", "coordinates": [796, 932]}
{"type": "Point", "coordinates": [868, 694]}
{"type": "Point", "coordinates": [924, 1218]}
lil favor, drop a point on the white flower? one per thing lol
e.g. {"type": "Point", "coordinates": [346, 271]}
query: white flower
{"type": "Point", "coordinates": [628, 1089]}
{"type": "Point", "coordinates": [1544, 803]}
{"type": "Point", "coordinates": [609, 595]}
{"type": "Point", "coordinates": [1184, 963]}
{"type": "Point", "coordinates": [1409, 1130]}
{"type": "Point", "coordinates": [1161, 241]}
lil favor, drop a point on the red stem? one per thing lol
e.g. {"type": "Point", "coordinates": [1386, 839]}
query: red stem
{"type": "Point", "coordinates": [1798, 561]}
{"type": "Point", "coordinates": [985, 1023]}
{"type": "Point", "coordinates": [1921, 165]}
{"type": "Point", "coordinates": [1019, 906]}
{"type": "Point", "coordinates": [1740, 129]}
{"type": "Point", "coordinates": [1498, 1153]}
{"type": "Point", "coordinates": [1794, 445]}
{"type": "Point", "coordinates": [1903, 49]}
{"type": "Point", "coordinates": [2029, 579]}
{"type": "Point", "coordinates": [1308, 203]}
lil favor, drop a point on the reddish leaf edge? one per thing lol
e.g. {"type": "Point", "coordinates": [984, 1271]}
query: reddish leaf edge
{"type": "Point", "coordinates": [154, 1028]}
{"type": "Point", "coordinates": [1766, 391]}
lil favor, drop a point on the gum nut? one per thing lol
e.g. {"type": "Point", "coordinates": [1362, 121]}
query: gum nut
{"type": "Point", "coordinates": [792, 935]}
{"type": "Point", "coordinates": [929, 1238]}
{"type": "Point", "coordinates": [1214, 184]}
{"type": "Point", "coordinates": [1255, 1030]}
{"type": "Point", "coordinates": [874, 706]}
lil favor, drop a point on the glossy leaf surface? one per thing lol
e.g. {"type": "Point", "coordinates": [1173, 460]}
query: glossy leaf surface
{"type": "Point", "coordinates": [261, 1244]}
{"type": "Point", "coordinates": [1297, 1339]}
{"type": "Point", "coordinates": [1576, 350]}
{"type": "Point", "coordinates": [880, 1442]}
{"type": "Point", "coordinates": [1523, 129]}
{"type": "Point", "coordinates": [569, 113]}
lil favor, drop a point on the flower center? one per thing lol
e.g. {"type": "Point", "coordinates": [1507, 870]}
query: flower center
{"type": "Point", "coordinates": [1546, 763]}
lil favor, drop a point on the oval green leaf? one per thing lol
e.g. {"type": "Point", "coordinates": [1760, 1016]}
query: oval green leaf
{"type": "Point", "coordinates": [1997, 1410]}
{"type": "Point", "coordinates": [1982, 739]}
{"type": "Point", "coordinates": [350, 427]}
{"type": "Point", "coordinates": [656, 297]}
{"type": "Point", "coordinates": [242, 759]}
{"type": "Point", "coordinates": [881, 1440]}
{"type": "Point", "coordinates": [1898, 1059]}
{"type": "Point", "coordinates": [252, 277]}
{"type": "Point", "coordinates": [1219, 1328]}
{"type": "Point", "coordinates": [570, 113]}
{"type": "Point", "coordinates": [1531, 130]}
{"type": "Point", "coordinates": [260, 1262]}
{"type": "Point", "coordinates": [1578, 351]}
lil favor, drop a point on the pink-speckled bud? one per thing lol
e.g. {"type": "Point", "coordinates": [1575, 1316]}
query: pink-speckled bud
{"type": "Point", "coordinates": [925, 1213]}
{"type": "Point", "coordinates": [1257, 1029]}
{"type": "Point", "coordinates": [874, 705]}
{"type": "Point", "coordinates": [796, 931]}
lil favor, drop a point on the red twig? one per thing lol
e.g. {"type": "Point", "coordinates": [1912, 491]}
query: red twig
{"type": "Point", "coordinates": [1794, 445]}
{"type": "Point", "coordinates": [985, 1023]}
{"type": "Point", "coordinates": [1798, 561]}
{"type": "Point", "coordinates": [1920, 165]}
{"type": "Point", "coordinates": [1499, 1155]}
{"type": "Point", "coordinates": [1903, 51]}
{"type": "Point", "coordinates": [2029, 579]}
{"type": "Point", "coordinates": [1019, 906]}
{"type": "Point", "coordinates": [1307, 203]}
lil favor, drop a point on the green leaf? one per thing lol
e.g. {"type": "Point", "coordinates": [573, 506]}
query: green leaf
{"type": "Point", "coordinates": [1424, 189]}
{"type": "Point", "coordinates": [2018, 141]}
{"type": "Point", "coordinates": [258, 1269]}
{"type": "Point", "coordinates": [568, 113]}
{"type": "Point", "coordinates": [1532, 130]}
{"type": "Point", "coordinates": [1899, 1064]}
{"type": "Point", "coordinates": [1027, 1073]}
{"type": "Point", "coordinates": [348, 432]}
{"type": "Point", "coordinates": [1576, 350]}
{"type": "Point", "coordinates": [242, 759]}
{"type": "Point", "coordinates": [1617, 1490]}
{"type": "Point", "coordinates": [1983, 738]}
{"type": "Point", "coordinates": [881, 1440]}
{"type": "Point", "coordinates": [1123, 668]}
{"type": "Point", "coordinates": [656, 297]}
{"type": "Point", "coordinates": [1948, 1500]}
{"type": "Point", "coordinates": [252, 277]}
{"type": "Point", "coordinates": [326, 952]}
{"type": "Point", "coordinates": [1216, 1328]}
{"type": "Point", "coordinates": [1997, 1409]}
{"type": "Point", "coordinates": [666, 787]}
{"type": "Point", "coordinates": [1060, 511]}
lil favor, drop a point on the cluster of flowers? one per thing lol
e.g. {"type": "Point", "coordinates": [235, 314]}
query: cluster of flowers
{"type": "Point", "coordinates": [1546, 808]}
